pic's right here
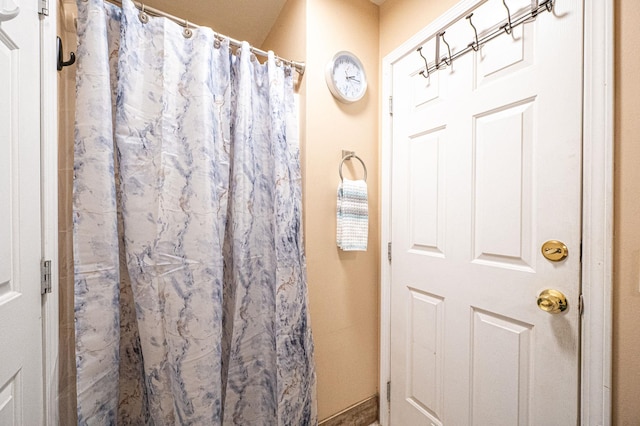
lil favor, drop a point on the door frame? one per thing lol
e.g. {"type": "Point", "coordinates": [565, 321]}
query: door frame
{"type": "Point", "coordinates": [49, 202]}
{"type": "Point", "coordinates": [597, 205]}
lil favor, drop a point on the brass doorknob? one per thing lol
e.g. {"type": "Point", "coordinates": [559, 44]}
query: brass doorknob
{"type": "Point", "coordinates": [552, 301]}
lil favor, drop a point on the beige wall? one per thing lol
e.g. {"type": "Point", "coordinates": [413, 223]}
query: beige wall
{"type": "Point", "coordinates": [399, 20]}
{"type": "Point", "coordinates": [626, 288]}
{"type": "Point", "coordinates": [343, 287]}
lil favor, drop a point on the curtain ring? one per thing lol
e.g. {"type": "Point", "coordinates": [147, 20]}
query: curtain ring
{"type": "Point", "coordinates": [187, 33]}
{"type": "Point", "coordinates": [144, 18]}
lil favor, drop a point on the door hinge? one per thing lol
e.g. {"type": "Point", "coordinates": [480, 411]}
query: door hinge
{"type": "Point", "coordinates": [43, 7]}
{"type": "Point", "coordinates": [390, 105]}
{"type": "Point", "coordinates": [389, 251]}
{"type": "Point", "coordinates": [580, 305]}
{"type": "Point", "coordinates": [45, 283]}
{"type": "Point", "coordinates": [389, 391]}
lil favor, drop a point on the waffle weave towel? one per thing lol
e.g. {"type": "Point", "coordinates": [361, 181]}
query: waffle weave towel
{"type": "Point", "coordinates": [352, 215]}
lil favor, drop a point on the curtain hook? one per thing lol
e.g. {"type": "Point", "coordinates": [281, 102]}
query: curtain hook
{"type": "Point", "coordinates": [507, 27]}
{"type": "Point", "coordinates": [426, 64]}
{"type": "Point", "coordinates": [448, 60]}
{"type": "Point", "coordinates": [187, 33]}
{"type": "Point", "coordinates": [144, 18]}
{"type": "Point", "coordinates": [474, 44]}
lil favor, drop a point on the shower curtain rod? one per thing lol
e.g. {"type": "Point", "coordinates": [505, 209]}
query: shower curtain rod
{"type": "Point", "coordinates": [298, 66]}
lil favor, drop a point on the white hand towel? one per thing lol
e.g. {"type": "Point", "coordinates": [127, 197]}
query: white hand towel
{"type": "Point", "coordinates": [352, 215]}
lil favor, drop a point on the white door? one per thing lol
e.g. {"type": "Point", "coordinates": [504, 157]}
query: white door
{"type": "Point", "coordinates": [486, 168]}
{"type": "Point", "coordinates": [21, 400]}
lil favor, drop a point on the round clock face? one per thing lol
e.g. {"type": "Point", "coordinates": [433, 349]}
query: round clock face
{"type": "Point", "coordinates": [346, 78]}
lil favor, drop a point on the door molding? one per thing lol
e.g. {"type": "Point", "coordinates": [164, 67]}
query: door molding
{"type": "Point", "coordinates": [597, 205]}
{"type": "Point", "coordinates": [49, 215]}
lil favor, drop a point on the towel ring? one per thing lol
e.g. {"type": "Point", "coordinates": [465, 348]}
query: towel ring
{"type": "Point", "coordinates": [349, 157]}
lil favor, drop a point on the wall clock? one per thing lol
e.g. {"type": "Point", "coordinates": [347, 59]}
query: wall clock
{"type": "Point", "coordinates": [346, 78]}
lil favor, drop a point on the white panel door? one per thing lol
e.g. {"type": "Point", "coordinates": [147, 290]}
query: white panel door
{"type": "Point", "coordinates": [486, 168]}
{"type": "Point", "coordinates": [21, 399]}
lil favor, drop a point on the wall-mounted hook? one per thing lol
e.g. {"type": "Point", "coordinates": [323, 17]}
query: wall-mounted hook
{"type": "Point", "coordinates": [448, 59]}
{"type": "Point", "coordinates": [61, 62]}
{"type": "Point", "coordinates": [474, 44]}
{"type": "Point", "coordinates": [507, 27]}
{"type": "Point", "coordinates": [426, 64]}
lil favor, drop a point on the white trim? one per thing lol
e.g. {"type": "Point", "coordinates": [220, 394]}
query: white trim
{"type": "Point", "coordinates": [49, 199]}
{"type": "Point", "coordinates": [385, 238]}
{"type": "Point", "coordinates": [597, 205]}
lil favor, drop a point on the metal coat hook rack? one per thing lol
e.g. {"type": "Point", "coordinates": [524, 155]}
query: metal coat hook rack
{"type": "Point", "coordinates": [477, 43]}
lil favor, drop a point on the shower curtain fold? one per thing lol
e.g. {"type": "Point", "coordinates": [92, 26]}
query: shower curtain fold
{"type": "Point", "coordinates": [190, 283]}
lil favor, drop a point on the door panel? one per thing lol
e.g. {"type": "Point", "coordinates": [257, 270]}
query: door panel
{"type": "Point", "coordinates": [486, 168]}
{"type": "Point", "coordinates": [427, 199]}
{"type": "Point", "coordinates": [502, 187]}
{"type": "Point", "coordinates": [20, 231]}
{"type": "Point", "coordinates": [500, 369]}
{"type": "Point", "coordinates": [425, 362]}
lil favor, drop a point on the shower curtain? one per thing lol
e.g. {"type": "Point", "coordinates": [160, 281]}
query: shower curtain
{"type": "Point", "coordinates": [190, 281]}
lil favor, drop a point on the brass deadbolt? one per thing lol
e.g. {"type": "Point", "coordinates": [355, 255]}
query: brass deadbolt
{"type": "Point", "coordinates": [554, 250]}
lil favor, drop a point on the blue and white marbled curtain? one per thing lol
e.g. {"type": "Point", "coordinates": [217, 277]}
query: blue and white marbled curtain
{"type": "Point", "coordinates": [190, 299]}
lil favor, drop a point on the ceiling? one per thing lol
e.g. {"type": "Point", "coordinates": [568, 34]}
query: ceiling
{"type": "Point", "coordinates": [248, 20]}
